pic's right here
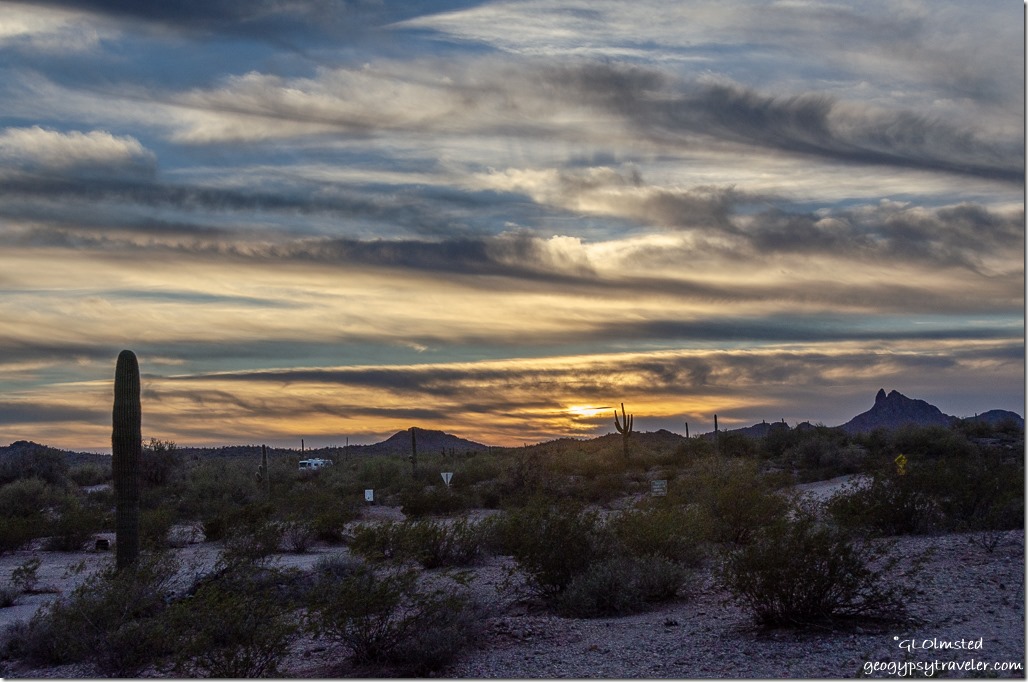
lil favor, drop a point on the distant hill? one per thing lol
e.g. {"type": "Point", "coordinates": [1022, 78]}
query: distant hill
{"type": "Point", "coordinates": [429, 442]}
{"type": "Point", "coordinates": [23, 448]}
{"type": "Point", "coordinates": [997, 417]}
{"type": "Point", "coordinates": [890, 411]}
{"type": "Point", "coordinates": [895, 410]}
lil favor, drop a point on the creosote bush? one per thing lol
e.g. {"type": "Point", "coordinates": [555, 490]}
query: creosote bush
{"type": "Point", "coordinates": [802, 571]}
{"type": "Point", "coordinates": [552, 543]}
{"type": "Point", "coordinates": [236, 624]}
{"type": "Point", "coordinates": [432, 544]}
{"type": "Point", "coordinates": [112, 620]}
{"type": "Point", "coordinates": [388, 619]}
{"type": "Point", "coordinates": [621, 586]}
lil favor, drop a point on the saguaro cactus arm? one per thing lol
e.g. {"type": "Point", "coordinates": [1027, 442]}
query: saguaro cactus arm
{"type": "Point", "coordinates": [126, 450]}
{"type": "Point", "coordinates": [624, 427]}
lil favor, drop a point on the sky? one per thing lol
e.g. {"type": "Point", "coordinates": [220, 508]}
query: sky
{"type": "Point", "coordinates": [336, 219]}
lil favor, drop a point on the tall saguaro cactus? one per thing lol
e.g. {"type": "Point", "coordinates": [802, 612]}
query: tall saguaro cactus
{"type": "Point", "coordinates": [126, 448]}
{"type": "Point", "coordinates": [263, 476]}
{"type": "Point", "coordinates": [717, 437]}
{"type": "Point", "coordinates": [624, 427]}
{"type": "Point", "coordinates": [413, 452]}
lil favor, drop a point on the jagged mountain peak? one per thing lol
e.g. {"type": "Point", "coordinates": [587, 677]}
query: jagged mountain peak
{"type": "Point", "coordinates": [894, 410]}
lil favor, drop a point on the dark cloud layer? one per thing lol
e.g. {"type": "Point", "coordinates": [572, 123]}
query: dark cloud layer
{"type": "Point", "coordinates": [280, 22]}
{"type": "Point", "coordinates": [669, 112]}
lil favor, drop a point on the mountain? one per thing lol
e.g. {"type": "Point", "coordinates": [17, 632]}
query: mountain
{"type": "Point", "coordinates": [429, 441]}
{"type": "Point", "coordinates": [22, 449]}
{"type": "Point", "coordinates": [895, 410]}
{"type": "Point", "coordinates": [997, 417]}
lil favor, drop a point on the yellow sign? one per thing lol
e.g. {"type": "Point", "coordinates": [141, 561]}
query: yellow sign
{"type": "Point", "coordinates": [901, 464]}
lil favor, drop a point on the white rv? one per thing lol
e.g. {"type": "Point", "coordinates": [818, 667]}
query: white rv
{"type": "Point", "coordinates": [309, 464]}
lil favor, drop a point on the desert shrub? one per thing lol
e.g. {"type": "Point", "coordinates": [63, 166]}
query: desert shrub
{"type": "Point", "coordinates": [977, 492]}
{"type": "Point", "coordinates": [931, 442]}
{"type": "Point", "coordinates": [27, 497]}
{"type": "Point", "coordinates": [22, 506]}
{"type": "Point", "coordinates": [675, 533]}
{"type": "Point", "coordinates": [380, 473]}
{"type": "Point", "coordinates": [252, 544]}
{"type": "Point", "coordinates": [422, 501]}
{"type": "Point", "coordinates": [217, 488]}
{"type": "Point", "coordinates": [889, 505]}
{"type": "Point", "coordinates": [323, 508]}
{"type": "Point", "coordinates": [298, 535]}
{"type": "Point", "coordinates": [801, 571]}
{"type": "Point", "coordinates": [429, 543]}
{"type": "Point", "coordinates": [25, 576]}
{"type": "Point", "coordinates": [735, 497]}
{"type": "Point", "coordinates": [113, 620]}
{"type": "Point", "coordinates": [35, 461]}
{"type": "Point", "coordinates": [552, 543]}
{"type": "Point", "coordinates": [620, 586]}
{"type": "Point", "coordinates": [89, 474]}
{"type": "Point", "coordinates": [161, 463]}
{"type": "Point", "coordinates": [155, 525]}
{"type": "Point", "coordinates": [235, 625]}
{"type": "Point", "coordinates": [824, 454]}
{"type": "Point", "coordinates": [389, 619]}
{"type": "Point", "coordinates": [74, 525]}
{"type": "Point", "coordinates": [16, 532]}
{"type": "Point", "coordinates": [236, 520]}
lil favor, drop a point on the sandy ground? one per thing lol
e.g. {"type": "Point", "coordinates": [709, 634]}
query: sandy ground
{"type": "Point", "coordinates": [968, 593]}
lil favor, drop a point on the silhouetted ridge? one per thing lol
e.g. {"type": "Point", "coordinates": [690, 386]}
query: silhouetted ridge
{"type": "Point", "coordinates": [895, 410]}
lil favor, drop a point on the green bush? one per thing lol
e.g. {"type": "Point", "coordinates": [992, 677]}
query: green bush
{"type": "Point", "coordinates": [16, 532]}
{"type": "Point", "coordinates": [430, 543]}
{"type": "Point", "coordinates": [389, 619]}
{"type": "Point", "coordinates": [235, 625]}
{"type": "Point", "coordinates": [675, 533]}
{"type": "Point", "coordinates": [74, 525]}
{"type": "Point", "coordinates": [423, 501]}
{"type": "Point", "coordinates": [735, 497]}
{"type": "Point", "coordinates": [155, 525]}
{"type": "Point", "coordinates": [89, 474]}
{"type": "Point", "coordinates": [890, 505]}
{"type": "Point", "coordinates": [113, 620]}
{"type": "Point", "coordinates": [35, 461]}
{"type": "Point", "coordinates": [803, 571]}
{"type": "Point", "coordinates": [621, 586]}
{"type": "Point", "coordinates": [552, 543]}
{"type": "Point", "coordinates": [977, 492]}
{"type": "Point", "coordinates": [28, 497]}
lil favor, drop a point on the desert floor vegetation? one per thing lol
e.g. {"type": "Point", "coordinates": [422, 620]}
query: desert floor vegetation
{"type": "Point", "coordinates": [302, 561]}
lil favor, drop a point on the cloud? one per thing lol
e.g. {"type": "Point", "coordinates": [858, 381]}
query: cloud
{"type": "Point", "coordinates": [83, 155]}
{"type": "Point", "coordinates": [52, 30]}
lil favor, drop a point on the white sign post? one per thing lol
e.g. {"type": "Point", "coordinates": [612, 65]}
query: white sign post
{"type": "Point", "coordinates": [658, 487]}
{"type": "Point", "coordinates": [447, 475]}
{"type": "Point", "coordinates": [369, 495]}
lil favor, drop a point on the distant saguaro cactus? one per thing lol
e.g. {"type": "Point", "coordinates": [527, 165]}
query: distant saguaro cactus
{"type": "Point", "coordinates": [126, 448]}
{"type": "Point", "coordinates": [263, 475]}
{"type": "Point", "coordinates": [717, 437]}
{"type": "Point", "coordinates": [624, 427]}
{"type": "Point", "coordinates": [413, 452]}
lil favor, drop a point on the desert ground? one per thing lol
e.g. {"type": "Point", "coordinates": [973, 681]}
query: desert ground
{"type": "Point", "coordinates": [965, 594]}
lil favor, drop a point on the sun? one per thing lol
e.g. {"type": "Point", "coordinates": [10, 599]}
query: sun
{"type": "Point", "coordinates": [586, 411]}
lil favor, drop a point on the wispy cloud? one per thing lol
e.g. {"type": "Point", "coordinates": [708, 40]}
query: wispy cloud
{"type": "Point", "coordinates": [345, 218]}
